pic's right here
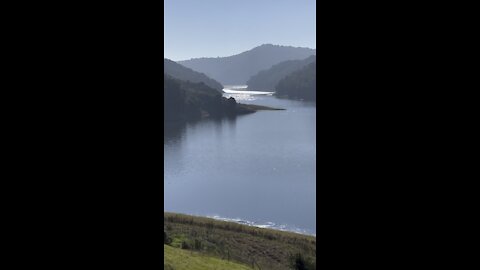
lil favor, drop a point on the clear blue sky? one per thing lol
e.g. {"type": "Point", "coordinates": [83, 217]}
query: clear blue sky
{"type": "Point", "coordinates": [211, 28]}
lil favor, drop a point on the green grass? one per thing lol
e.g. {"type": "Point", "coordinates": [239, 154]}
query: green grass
{"type": "Point", "coordinates": [178, 259]}
{"type": "Point", "coordinates": [264, 248]}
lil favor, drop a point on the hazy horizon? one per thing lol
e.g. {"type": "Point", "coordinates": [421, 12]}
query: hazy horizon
{"type": "Point", "coordinates": [248, 49]}
{"type": "Point", "coordinates": [220, 28]}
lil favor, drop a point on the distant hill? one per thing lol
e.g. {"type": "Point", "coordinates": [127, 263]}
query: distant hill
{"type": "Point", "coordinates": [237, 69]}
{"type": "Point", "coordinates": [266, 80]}
{"type": "Point", "coordinates": [300, 84]}
{"type": "Point", "coordinates": [178, 71]}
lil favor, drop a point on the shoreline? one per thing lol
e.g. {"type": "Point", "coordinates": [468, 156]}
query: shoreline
{"type": "Point", "coordinates": [270, 249]}
{"type": "Point", "coordinates": [259, 107]}
{"type": "Point", "coordinates": [247, 224]}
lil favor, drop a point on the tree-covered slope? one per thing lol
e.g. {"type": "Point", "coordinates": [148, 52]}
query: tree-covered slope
{"type": "Point", "coordinates": [266, 80]}
{"type": "Point", "coordinates": [180, 72]}
{"type": "Point", "coordinates": [237, 69]}
{"type": "Point", "coordinates": [184, 101]}
{"type": "Point", "coordinates": [300, 84]}
{"type": "Point", "coordinates": [187, 101]}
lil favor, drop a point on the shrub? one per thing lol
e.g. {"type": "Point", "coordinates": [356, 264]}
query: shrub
{"type": "Point", "coordinates": [185, 245]}
{"type": "Point", "coordinates": [197, 244]}
{"type": "Point", "coordinates": [166, 240]}
{"type": "Point", "coordinates": [299, 262]}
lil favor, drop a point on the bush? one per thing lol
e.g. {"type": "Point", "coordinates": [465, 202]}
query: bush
{"type": "Point", "coordinates": [166, 240]}
{"type": "Point", "coordinates": [299, 262]}
{"type": "Point", "coordinates": [185, 245]}
{"type": "Point", "coordinates": [197, 244]}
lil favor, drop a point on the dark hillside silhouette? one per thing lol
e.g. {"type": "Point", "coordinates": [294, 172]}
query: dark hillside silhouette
{"type": "Point", "coordinates": [266, 80]}
{"type": "Point", "coordinates": [180, 72]}
{"type": "Point", "coordinates": [300, 84]}
{"type": "Point", "coordinates": [187, 101]}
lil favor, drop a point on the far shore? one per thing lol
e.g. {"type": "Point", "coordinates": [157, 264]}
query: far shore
{"type": "Point", "coordinates": [260, 107]}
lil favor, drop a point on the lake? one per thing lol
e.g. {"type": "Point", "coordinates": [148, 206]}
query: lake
{"type": "Point", "coordinates": [257, 169]}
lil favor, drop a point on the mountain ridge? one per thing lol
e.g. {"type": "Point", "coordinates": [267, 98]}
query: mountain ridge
{"type": "Point", "coordinates": [238, 68]}
{"type": "Point", "coordinates": [183, 73]}
{"type": "Point", "coordinates": [260, 46]}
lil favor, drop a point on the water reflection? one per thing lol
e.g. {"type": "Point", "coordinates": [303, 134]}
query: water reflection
{"type": "Point", "coordinates": [258, 167]}
{"type": "Point", "coordinates": [173, 132]}
{"type": "Point", "coordinates": [177, 145]}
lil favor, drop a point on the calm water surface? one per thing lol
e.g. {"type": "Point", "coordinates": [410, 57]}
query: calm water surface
{"type": "Point", "coordinates": [257, 169]}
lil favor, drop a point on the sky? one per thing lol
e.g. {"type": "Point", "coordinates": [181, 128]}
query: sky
{"type": "Point", "coordinates": [217, 28]}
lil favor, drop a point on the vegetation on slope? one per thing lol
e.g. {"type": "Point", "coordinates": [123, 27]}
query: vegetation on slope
{"type": "Point", "coordinates": [266, 80]}
{"type": "Point", "coordinates": [187, 101]}
{"type": "Point", "coordinates": [180, 72]}
{"type": "Point", "coordinates": [255, 247]}
{"type": "Point", "coordinates": [180, 259]}
{"type": "Point", "coordinates": [237, 69]}
{"type": "Point", "coordinates": [301, 84]}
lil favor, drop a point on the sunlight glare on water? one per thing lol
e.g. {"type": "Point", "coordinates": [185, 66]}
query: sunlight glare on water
{"type": "Point", "coordinates": [239, 93]}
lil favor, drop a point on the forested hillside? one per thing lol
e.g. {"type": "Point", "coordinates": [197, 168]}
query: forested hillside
{"type": "Point", "coordinates": [266, 80]}
{"type": "Point", "coordinates": [237, 69]}
{"type": "Point", "coordinates": [180, 72]}
{"type": "Point", "coordinates": [300, 84]}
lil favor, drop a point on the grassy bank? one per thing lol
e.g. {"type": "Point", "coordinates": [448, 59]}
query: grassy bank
{"type": "Point", "coordinates": [255, 247]}
{"type": "Point", "coordinates": [179, 259]}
